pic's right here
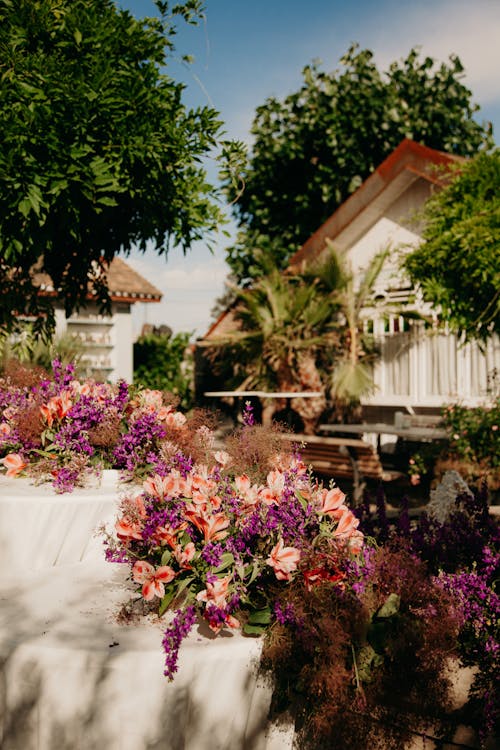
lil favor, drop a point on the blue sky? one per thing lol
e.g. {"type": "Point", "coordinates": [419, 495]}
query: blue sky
{"type": "Point", "coordinates": [248, 50]}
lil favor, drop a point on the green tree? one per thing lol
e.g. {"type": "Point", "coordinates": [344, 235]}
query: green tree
{"type": "Point", "coordinates": [98, 153]}
{"type": "Point", "coordinates": [458, 264]}
{"type": "Point", "coordinates": [314, 148]}
{"type": "Point", "coordinates": [165, 363]}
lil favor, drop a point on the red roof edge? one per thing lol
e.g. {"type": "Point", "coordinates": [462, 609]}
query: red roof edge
{"type": "Point", "coordinates": [410, 155]}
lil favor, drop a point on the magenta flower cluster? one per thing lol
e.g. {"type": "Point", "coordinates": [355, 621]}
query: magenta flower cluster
{"type": "Point", "coordinates": [62, 430]}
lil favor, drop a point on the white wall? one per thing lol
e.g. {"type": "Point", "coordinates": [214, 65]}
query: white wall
{"type": "Point", "coordinates": [108, 340]}
{"type": "Point", "coordinates": [124, 343]}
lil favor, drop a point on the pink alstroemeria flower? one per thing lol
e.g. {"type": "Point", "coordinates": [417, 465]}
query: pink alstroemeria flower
{"type": "Point", "coordinates": [152, 580]}
{"type": "Point", "coordinates": [347, 525]}
{"type": "Point", "coordinates": [184, 555]}
{"type": "Point", "coordinates": [275, 486]}
{"type": "Point", "coordinates": [249, 493]}
{"type": "Point", "coordinates": [57, 407]}
{"type": "Point", "coordinates": [222, 457]}
{"type": "Point", "coordinates": [284, 560]}
{"type": "Point", "coordinates": [127, 529]}
{"type": "Point", "coordinates": [168, 534]}
{"type": "Point", "coordinates": [215, 592]}
{"type": "Point", "coordinates": [174, 419]}
{"type": "Point", "coordinates": [355, 542]}
{"type": "Point", "coordinates": [332, 500]}
{"type": "Point", "coordinates": [129, 526]}
{"type": "Point", "coordinates": [157, 486]}
{"type": "Point", "coordinates": [213, 527]}
{"type": "Point", "coordinates": [5, 429]}
{"type": "Point", "coordinates": [13, 463]}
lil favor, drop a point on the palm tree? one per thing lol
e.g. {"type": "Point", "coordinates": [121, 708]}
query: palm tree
{"type": "Point", "coordinates": [303, 331]}
{"type": "Point", "coordinates": [352, 376]}
{"type": "Point", "coordinates": [286, 331]}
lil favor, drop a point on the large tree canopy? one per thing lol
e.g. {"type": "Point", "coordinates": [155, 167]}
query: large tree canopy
{"type": "Point", "coordinates": [314, 148]}
{"type": "Point", "coordinates": [458, 264]}
{"type": "Point", "coordinates": [97, 150]}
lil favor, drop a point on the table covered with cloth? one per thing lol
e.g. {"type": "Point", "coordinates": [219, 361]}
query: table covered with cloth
{"type": "Point", "coordinates": [73, 678]}
{"type": "Point", "coordinates": [40, 529]}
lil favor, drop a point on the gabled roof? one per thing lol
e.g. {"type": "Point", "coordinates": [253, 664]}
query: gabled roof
{"type": "Point", "coordinates": [409, 162]}
{"type": "Point", "coordinates": [125, 284]}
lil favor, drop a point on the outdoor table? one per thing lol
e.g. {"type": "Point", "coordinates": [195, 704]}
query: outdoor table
{"type": "Point", "coordinates": [73, 677]}
{"type": "Point", "coordinates": [40, 529]}
{"type": "Point", "coordinates": [411, 434]}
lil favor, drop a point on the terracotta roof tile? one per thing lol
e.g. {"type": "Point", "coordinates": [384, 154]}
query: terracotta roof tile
{"type": "Point", "coordinates": [123, 282]}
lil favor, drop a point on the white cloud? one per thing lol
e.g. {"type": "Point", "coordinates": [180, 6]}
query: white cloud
{"type": "Point", "coordinates": [189, 289]}
{"type": "Point", "coordinates": [470, 30]}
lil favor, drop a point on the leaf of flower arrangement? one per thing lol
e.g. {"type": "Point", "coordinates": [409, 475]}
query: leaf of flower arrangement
{"type": "Point", "coordinates": [166, 557]}
{"type": "Point", "coordinates": [227, 561]}
{"type": "Point", "coordinates": [183, 585]}
{"type": "Point", "coordinates": [366, 661]}
{"type": "Point", "coordinates": [260, 616]}
{"type": "Point", "coordinates": [167, 600]}
{"type": "Point", "coordinates": [302, 500]}
{"type": "Point", "coordinates": [255, 571]}
{"type": "Point", "coordinates": [254, 629]}
{"type": "Point", "coordinates": [47, 453]}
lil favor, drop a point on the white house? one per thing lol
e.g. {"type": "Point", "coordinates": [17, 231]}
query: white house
{"type": "Point", "coordinates": [107, 339]}
{"type": "Point", "coordinates": [421, 367]}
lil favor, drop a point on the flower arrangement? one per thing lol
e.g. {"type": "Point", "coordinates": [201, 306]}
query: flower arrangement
{"type": "Point", "coordinates": [242, 536]}
{"type": "Point", "coordinates": [458, 540]}
{"type": "Point", "coordinates": [63, 430]}
{"type": "Point", "coordinates": [216, 534]}
{"type": "Point", "coordinates": [365, 666]}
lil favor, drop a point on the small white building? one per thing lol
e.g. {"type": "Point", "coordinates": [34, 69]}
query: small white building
{"type": "Point", "coordinates": [421, 366]}
{"type": "Point", "coordinates": [107, 339]}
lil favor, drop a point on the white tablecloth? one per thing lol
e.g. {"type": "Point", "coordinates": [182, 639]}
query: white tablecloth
{"type": "Point", "coordinates": [39, 529]}
{"type": "Point", "coordinates": [73, 679]}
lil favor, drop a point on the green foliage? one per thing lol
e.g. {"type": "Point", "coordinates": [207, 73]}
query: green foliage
{"type": "Point", "coordinates": [474, 433]}
{"type": "Point", "coordinates": [458, 265]}
{"type": "Point", "coordinates": [25, 348]}
{"type": "Point", "coordinates": [165, 363]}
{"type": "Point", "coordinates": [314, 148]}
{"type": "Point", "coordinates": [281, 319]}
{"type": "Point", "coordinates": [98, 153]}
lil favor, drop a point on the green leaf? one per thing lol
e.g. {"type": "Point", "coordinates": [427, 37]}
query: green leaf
{"type": "Point", "coordinates": [166, 557]}
{"type": "Point", "coordinates": [260, 616]}
{"type": "Point", "coordinates": [183, 585]}
{"type": "Point", "coordinates": [366, 661]}
{"type": "Point", "coordinates": [106, 200]}
{"type": "Point", "coordinates": [166, 600]}
{"type": "Point", "coordinates": [226, 562]}
{"type": "Point", "coordinates": [254, 629]}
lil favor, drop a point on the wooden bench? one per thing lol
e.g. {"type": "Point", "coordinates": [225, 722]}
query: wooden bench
{"type": "Point", "coordinates": [343, 458]}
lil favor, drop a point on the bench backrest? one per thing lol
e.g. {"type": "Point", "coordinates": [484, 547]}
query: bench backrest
{"type": "Point", "coordinates": [339, 457]}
